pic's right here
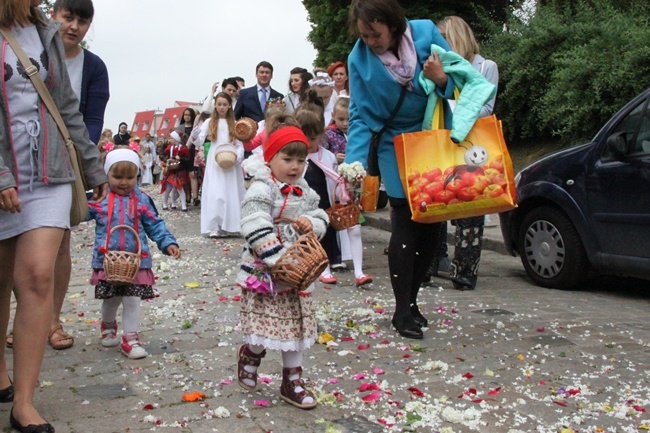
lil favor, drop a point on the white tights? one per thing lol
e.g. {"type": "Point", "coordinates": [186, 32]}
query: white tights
{"type": "Point", "coordinates": [130, 312]}
{"type": "Point", "coordinates": [169, 190]}
{"type": "Point", "coordinates": [356, 249]}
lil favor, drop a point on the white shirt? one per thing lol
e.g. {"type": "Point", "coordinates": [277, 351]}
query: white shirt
{"type": "Point", "coordinates": [75, 67]}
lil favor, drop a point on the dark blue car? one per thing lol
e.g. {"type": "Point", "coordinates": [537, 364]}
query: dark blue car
{"type": "Point", "coordinates": [586, 210]}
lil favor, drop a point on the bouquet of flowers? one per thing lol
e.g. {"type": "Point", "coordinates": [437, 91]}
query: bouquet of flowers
{"type": "Point", "coordinates": [353, 175]}
{"type": "Point", "coordinates": [260, 282]}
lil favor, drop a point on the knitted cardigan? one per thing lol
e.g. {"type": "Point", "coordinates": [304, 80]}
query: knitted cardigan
{"type": "Point", "coordinates": [263, 203]}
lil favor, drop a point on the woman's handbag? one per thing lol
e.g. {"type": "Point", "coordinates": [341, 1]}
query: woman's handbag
{"type": "Point", "coordinates": [444, 180]}
{"type": "Point", "coordinates": [79, 209]}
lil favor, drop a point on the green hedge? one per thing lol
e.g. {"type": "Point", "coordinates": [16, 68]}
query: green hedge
{"type": "Point", "coordinates": [567, 70]}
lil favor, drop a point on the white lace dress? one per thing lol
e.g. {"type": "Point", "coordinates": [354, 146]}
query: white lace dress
{"type": "Point", "coordinates": [223, 189]}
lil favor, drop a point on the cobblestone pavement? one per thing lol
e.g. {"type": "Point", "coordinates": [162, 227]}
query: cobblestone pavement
{"type": "Point", "coordinates": [508, 357]}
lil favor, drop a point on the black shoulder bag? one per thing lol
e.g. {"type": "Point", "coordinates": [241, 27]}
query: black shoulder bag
{"type": "Point", "coordinates": [373, 156]}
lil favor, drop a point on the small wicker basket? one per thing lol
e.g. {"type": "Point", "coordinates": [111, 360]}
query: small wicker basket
{"type": "Point", "coordinates": [301, 263]}
{"type": "Point", "coordinates": [173, 165]}
{"type": "Point", "coordinates": [121, 267]}
{"type": "Point", "coordinates": [245, 129]}
{"type": "Point", "coordinates": [344, 216]}
{"type": "Point", "coordinates": [226, 155]}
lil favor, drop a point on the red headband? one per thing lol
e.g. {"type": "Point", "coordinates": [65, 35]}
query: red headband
{"type": "Point", "coordinates": [280, 138]}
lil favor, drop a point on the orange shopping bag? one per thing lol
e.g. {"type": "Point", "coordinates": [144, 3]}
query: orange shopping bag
{"type": "Point", "coordinates": [444, 180]}
{"type": "Point", "coordinates": [370, 193]}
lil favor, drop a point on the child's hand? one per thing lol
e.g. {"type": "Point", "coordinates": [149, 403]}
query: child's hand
{"type": "Point", "coordinates": [340, 157]}
{"type": "Point", "coordinates": [174, 251]}
{"type": "Point", "coordinates": [302, 225]}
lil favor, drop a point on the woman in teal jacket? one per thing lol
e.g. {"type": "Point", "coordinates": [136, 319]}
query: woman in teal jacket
{"type": "Point", "coordinates": [390, 55]}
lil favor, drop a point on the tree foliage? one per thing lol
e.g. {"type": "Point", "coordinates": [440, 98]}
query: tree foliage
{"type": "Point", "coordinates": [569, 68]}
{"type": "Point", "coordinates": [329, 34]}
{"type": "Point", "coordinates": [46, 6]}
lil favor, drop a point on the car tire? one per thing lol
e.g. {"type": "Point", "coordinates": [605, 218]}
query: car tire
{"type": "Point", "coordinates": [551, 250]}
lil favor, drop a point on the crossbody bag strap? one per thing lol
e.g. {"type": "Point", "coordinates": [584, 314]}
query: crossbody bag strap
{"type": "Point", "coordinates": [32, 73]}
{"type": "Point", "coordinates": [392, 114]}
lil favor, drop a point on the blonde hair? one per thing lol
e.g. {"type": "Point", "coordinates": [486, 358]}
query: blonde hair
{"type": "Point", "coordinates": [343, 103]}
{"type": "Point", "coordinates": [459, 35]}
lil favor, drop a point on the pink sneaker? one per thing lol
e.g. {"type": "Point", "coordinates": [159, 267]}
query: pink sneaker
{"type": "Point", "coordinates": [131, 346]}
{"type": "Point", "coordinates": [109, 334]}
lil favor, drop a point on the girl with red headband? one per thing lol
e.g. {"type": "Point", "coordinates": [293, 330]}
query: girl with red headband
{"type": "Point", "coordinates": [273, 315]}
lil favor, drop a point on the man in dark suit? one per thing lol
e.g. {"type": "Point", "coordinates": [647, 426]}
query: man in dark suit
{"type": "Point", "coordinates": [252, 100]}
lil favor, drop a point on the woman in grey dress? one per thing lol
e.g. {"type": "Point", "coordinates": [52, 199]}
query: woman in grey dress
{"type": "Point", "coordinates": [35, 196]}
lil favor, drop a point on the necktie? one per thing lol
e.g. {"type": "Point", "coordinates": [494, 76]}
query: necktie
{"type": "Point", "coordinates": [286, 189]}
{"type": "Point", "coordinates": [263, 99]}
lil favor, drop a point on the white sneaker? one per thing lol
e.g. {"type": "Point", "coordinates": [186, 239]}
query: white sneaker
{"type": "Point", "coordinates": [338, 266]}
{"type": "Point", "coordinates": [131, 346]}
{"type": "Point", "coordinates": [109, 334]}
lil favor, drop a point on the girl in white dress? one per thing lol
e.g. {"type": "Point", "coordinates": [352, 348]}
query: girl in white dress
{"type": "Point", "coordinates": [223, 189]}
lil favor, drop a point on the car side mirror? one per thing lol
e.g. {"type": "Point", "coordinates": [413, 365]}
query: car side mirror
{"type": "Point", "coordinates": [617, 144]}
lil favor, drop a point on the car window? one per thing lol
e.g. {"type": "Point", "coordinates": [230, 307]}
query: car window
{"type": "Point", "coordinates": [635, 130]}
{"type": "Point", "coordinates": [642, 139]}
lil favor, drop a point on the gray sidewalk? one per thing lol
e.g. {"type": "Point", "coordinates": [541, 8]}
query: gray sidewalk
{"type": "Point", "coordinates": [492, 238]}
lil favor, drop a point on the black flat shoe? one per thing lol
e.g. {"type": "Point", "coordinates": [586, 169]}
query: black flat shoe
{"type": "Point", "coordinates": [7, 394]}
{"type": "Point", "coordinates": [418, 318]}
{"type": "Point", "coordinates": [32, 428]}
{"type": "Point", "coordinates": [408, 328]}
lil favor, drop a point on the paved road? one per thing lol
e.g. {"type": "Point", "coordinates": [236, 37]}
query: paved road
{"type": "Point", "coordinates": [508, 357]}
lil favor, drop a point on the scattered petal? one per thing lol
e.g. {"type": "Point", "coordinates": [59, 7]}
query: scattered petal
{"type": "Point", "coordinates": [263, 403]}
{"type": "Point", "coordinates": [416, 391]}
{"type": "Point", "coordinates": [194, 396]}
{"type": "Point", "coordinates": [324, 338]}
{"type": "Point", "coordinates": [368, 387]}
{"type": "Point", "coordinates": [372, 397]}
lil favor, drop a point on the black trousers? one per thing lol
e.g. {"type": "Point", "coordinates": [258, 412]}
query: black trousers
{"type": "Point", "coordinates": [411, 248]}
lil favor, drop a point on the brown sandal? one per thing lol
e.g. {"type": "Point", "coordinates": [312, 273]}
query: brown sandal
{"type": "Point", "coordinates": [245, 357]}
{"type": "Point", "coordinates": [288, 389]}
{"type": "Point", "coordinates": [59, 339]}
{"type": "Point", "coordinates": [9, 339]}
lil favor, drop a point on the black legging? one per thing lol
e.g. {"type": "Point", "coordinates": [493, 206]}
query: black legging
{"type": "Point", "coordinates": [411, 248]}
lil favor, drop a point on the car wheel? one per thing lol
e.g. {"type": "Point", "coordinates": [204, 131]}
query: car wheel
{"type": "Point", "coordinates": [551, 250]}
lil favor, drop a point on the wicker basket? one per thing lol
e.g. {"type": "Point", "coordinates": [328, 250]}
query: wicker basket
{"type": "Point", "coordinates": [226, 156]}
{"type": "Point", "coordinates": [344, 216]}
{"type": "Point", "coordinates": [245, 129]}
{"type": "Point", "coordinates": [173, 165]}
{"type": "Point", "coordinates": [121, 267]}
{"type": "Point", "coordinates": [301, 263]}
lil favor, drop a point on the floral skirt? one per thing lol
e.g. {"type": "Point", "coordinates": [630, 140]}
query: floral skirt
{"type": "Point", "coordinates": [284, 322]}
{"type": "Point", "coordinates": [106, 290]}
